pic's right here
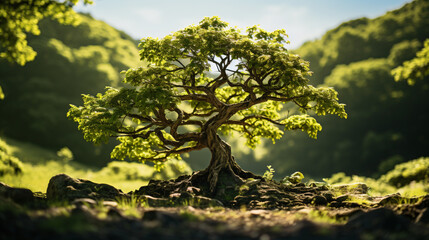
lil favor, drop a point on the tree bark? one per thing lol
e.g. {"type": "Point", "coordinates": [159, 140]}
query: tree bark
{"type": "Point", "coordinates": [222, 160]}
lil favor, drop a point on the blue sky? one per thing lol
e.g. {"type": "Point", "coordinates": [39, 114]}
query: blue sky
{"type": "Point", "coordinates": [303, 20]}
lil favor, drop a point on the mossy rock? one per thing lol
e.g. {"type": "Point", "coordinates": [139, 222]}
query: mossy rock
{"type": "Point", "coordinates": [65, 188]}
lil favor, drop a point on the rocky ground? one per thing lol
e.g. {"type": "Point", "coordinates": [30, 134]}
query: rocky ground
{"type": "Point", "coordinates": [177, 209]}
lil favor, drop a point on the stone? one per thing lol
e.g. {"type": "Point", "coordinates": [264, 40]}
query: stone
{"type": "Point", "coordinates": [381, 218]}
{"type": "Point", "coordinates": [166, 218]}
{"type": "Point", "coordinates": [84, 201]}
{"type": "Point", "coordinates": [342, 198]}
{"type": "Point", "coordinates": [64, 188]}
{"type": "Point", "coordinates": [355, 188]}
{"type": "Point", "coordinates": [18, 195]}
{"type": "Point", "coordinates": [329, 196]}
{"type": "Point", "coordinates": [391, 199]}
{"type": "Point", "coordinates": [319, 201]}
{"type": "Point", "coordinates": [83, 210]}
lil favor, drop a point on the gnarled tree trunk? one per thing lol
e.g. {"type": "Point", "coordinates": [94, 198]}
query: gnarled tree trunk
{"type": "Point", "coordinates": [223, 161]}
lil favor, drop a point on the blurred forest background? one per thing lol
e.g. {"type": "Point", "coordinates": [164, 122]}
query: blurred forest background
{"type": "Point", "coordinates": [387, 124]}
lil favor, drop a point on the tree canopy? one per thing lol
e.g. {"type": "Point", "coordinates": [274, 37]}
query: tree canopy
{"type": "Point", "coordinates": [19, 17]}
{"type": "Point", "coordinates": [201, 81]}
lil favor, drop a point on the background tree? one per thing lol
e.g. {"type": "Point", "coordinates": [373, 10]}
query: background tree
{"type": "Point", "coordinates": [71, 60]}
{"type": "Point", "coordinates": [19, 17]}
{"type": "Point", "coordinates": [199, 82]}
{"type": "Point", "coordinates": [387, 120]}
{"type": "Point", "coordinates": [414, 69]}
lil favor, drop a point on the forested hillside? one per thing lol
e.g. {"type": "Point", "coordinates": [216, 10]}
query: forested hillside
{"type": "Point", "coordinates": [71, 61]}
{"type": "Point", "coordinates": [387, 121]}
{"type": "Point", "coordinates": [386, 124]}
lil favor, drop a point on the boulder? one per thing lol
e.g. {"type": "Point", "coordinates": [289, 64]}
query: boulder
{"type": "Point", "coordinates": [379, 219]}
{"type": "Point", "coordinates": [18, 195]}
{"type": "Point", "coordinates": [65, 188]}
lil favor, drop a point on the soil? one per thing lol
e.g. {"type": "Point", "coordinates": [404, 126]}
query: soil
{"type": "Point", "coordinates": [185, 208]}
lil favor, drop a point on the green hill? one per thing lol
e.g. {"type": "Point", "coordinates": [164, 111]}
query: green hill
{"type": "Point", "coordinates": [387, 121]}
{"type": "Point", "coordinates": [71, 61]}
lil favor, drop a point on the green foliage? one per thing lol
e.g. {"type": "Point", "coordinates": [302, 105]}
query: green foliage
{"type": "Point", "coordinates": [415, 69]}
{"type": "Point", "coordinates": [9, 164]}
{"type": "Point", "coordinates": [269, 174]}
{"type": "Point", "coordinates": [208, 77]}
{"type": "Point", "coordinates": [386, 118]}
{"type": "Point", "coordinates": [71, 60]}
{"type": "Point", "coordinates": [19, 17]}
{"type": "Point", "coordinates": [409, 178]}
{"type": "Point", "coordinates": [294, 178]}
{"type": "Point", "coordinates": [403, 51]}
{"type": "Point", "coordinates": [405, 173]}
{"type": "Point", "coordinates": [364, 38]}
{"type": "Point", "coordinates": [39, 165]}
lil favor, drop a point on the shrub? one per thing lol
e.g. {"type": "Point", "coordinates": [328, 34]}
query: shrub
{"type": "Point", "coordinates": [8, 163]}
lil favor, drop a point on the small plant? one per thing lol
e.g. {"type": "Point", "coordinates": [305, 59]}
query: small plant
{"type": "Point", "coordinates": [269, 174]}
{"type": "Point", "coordinates": [130, 205]}
{"type": "Point", "coordinates": [295, 178]}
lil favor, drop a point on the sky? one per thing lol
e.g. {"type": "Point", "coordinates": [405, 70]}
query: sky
{"type": "Point", "coordinates": [303, 20]}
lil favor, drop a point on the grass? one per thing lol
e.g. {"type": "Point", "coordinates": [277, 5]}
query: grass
{"type": "Point", "coordinates": [39, 165]}
{"type": "Point", "coordinates": [379, 187]}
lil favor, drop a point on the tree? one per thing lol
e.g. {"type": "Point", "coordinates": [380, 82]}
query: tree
{"type": "Point", "coordinates": [414, 69]}
{"type": "Point", "coordinates": [200, 82]}
{"type": "Point", "coordinates": [18, 17]}
{"type": "Point", "coordinates": [70, 60]}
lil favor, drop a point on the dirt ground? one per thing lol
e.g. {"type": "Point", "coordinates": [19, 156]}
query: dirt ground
{"type": "Point", "coordinates": [259, 209]}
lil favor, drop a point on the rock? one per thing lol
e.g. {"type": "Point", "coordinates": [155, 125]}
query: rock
{"type": "Point", "coordinates": [329, 196]}
{"type": "Point", "coordinates": [379, 219]}
{"type": "Point", "coordinates": [392, 199]}
{"type": "Point", "coordinates": [84, 201]}
{"type": "Point", "coordinates": [355, 188]}
{"type": "Point", "coordinates": [342, 198]}
{"type": "Point", "coordinates": [166, 218]}
{"type": "Point", "coordinates": [18, 195]}
{"type": "Point", "coordinates": [84, 211]}
{"type": "Point", "coordinates": [63, 187]}
{"type": "Point", "coordinates": [115, 213]}
{"type": "Point", "coordinates": [319, 201]}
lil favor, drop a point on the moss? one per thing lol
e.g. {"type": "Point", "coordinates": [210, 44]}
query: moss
{"type": "Point", "coordinates": [405, 173]}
